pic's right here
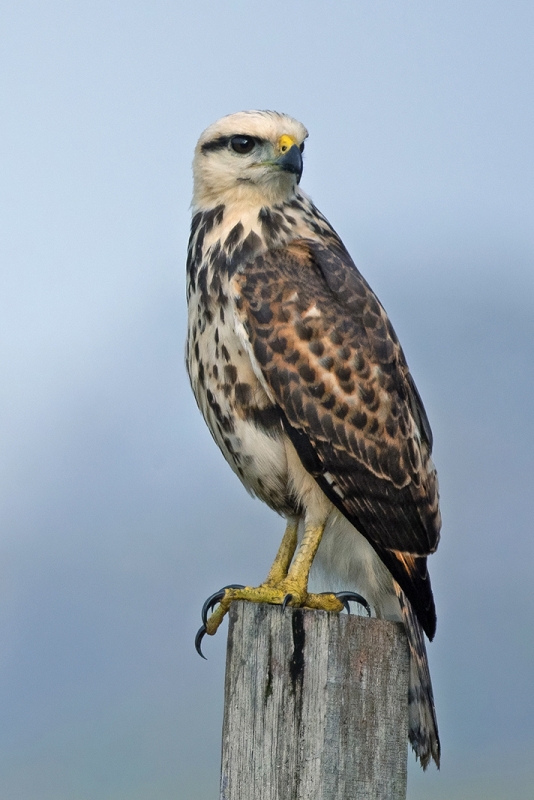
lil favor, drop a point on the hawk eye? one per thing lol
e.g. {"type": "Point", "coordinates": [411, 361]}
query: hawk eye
{"type": "Point", "coordinates": [242, 144]}
{"type": "Point", "coordinates": [301, 148]}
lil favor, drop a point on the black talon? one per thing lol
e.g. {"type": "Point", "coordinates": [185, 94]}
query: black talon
{"type": "Point", "coordinates": [212, 601]}
{"type": "Point", "coordinates": [215, 598]}
{"type": "Point", "coordinates": [345, 597]}
{"type": "Point", "coordinates": [286, 600]}
{"type": "Point", "coordinates": [346, 604]}
{"type": "Point", "coordinates": [198, 641]}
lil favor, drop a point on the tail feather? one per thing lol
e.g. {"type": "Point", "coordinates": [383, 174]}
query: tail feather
{"type": "Point", "coordinates": [423, 726]}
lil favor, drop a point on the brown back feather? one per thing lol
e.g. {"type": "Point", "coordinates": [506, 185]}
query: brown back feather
{"type": "Point", "coordinates": [331, 358]}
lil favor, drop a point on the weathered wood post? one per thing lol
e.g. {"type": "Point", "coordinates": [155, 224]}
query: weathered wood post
{"type": "Point", "coordinates": [316, 706]}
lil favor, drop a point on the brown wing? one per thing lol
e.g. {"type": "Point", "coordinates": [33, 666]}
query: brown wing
{"type": "Point", "coordinates": [333, 362]}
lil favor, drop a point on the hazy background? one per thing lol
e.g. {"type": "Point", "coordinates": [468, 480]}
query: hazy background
{"type": "Point", "coordinates": [118, 514]}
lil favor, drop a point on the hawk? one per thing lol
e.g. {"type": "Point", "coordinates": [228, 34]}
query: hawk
{"type": "Point", "coordinates": [305, 388]}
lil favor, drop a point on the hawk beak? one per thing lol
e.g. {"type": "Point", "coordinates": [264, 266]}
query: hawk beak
{"type": "Point", "coordinates": [291, 161]}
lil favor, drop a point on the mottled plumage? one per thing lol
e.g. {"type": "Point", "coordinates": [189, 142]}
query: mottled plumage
{"type": "Point", "coordinates": [304, 385]}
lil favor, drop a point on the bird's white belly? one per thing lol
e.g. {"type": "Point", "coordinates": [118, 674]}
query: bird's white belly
{"type": "Point", "coordinates": [228, 392]}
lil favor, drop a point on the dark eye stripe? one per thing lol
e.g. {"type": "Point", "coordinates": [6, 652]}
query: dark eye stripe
{"type": "Point", "coordinates": [222, 142]}
{"type": "Point", "coordinates": [216, 144]}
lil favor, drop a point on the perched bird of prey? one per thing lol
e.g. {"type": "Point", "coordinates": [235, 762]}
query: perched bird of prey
{"type": "Point", "coordinates": [304, 386]}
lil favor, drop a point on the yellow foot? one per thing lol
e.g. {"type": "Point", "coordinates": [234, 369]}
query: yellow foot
{"type": "Point", "coordinates": [286, 593]}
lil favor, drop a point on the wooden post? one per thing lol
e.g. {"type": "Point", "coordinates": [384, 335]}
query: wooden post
{"type": "Point", "coordinates": [316, 706]}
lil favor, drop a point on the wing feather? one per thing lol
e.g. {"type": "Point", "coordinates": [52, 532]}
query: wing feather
{"type": "Point", "coordinates": [331, 359]}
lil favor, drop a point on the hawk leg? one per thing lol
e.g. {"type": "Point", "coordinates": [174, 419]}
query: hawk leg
{"type": "Point", "coordinates": [286, 583]}
{"type": "Point", "coordinates": [285, 554]}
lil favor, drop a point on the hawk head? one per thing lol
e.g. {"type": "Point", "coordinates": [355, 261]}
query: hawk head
{"type": "Point", "coordinates": [249, 157]}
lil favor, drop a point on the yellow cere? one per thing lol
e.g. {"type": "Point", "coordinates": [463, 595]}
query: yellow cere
{"type": "Point", "coordinates": [285, 142]}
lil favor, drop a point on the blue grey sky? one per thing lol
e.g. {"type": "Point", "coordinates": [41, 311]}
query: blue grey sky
{"type": "Point", "coordinates": [118, 515]}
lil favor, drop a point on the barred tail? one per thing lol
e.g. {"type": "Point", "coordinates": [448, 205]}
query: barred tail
{"type": "Point", "coordinates": [423, 726]}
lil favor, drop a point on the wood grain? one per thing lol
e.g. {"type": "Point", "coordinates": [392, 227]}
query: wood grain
{"type": "Point", "coordinates": [316, 706]}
